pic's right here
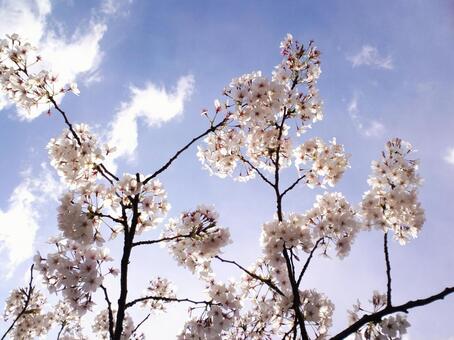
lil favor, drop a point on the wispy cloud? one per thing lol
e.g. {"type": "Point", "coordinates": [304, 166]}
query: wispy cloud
{"type": "Point", "coordinates": [368, 128]}
{"type": "Point", "coordinates": [19, 221]}
{"type": "Point", "coordinates": [369, 56]}
{"type": "Point", "coordinates": [71, 57]}
{"type": "Point", "coordinates": [155, 105]}
{"type": "Point", "coordinates": [449, 156]}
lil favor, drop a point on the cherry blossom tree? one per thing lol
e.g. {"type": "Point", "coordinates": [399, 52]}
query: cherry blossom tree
{"type": "Point", "coordinates": [256, 131]}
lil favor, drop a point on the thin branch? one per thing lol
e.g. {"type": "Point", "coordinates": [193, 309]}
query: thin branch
{"type": "Point", "coordinates": [166, 299]}
{"type": "Point", "coordinates": [109, 308]}
{"type": "Point", "coordinates": [140, 323]}
{"type": "Point", "coordinates": [268, 281]}
{"type": "Point", "coordinates": [257, 170]}
{"type": "Point", "coordinates": [63, 325]}
{"type": "Point", "coordinates": [184, 148]}
{"type": "Point", "coordinates": [116, 220]}
{"type": "Point", "coordinates": [103, 167]}
{"type": "Point", "coordinates": [27, 302]}
{"type": "Point", "coordinates": [67, 122]}
{"type": "Point", "coordinates": [306, 265]}
{"type": "Point", "coordinates": [292, 186]}
{"type": "Point", "coordinates": [164, 239]}
{"type": "Point", "coordinates": [388, 271]}
{"type": "Point", "coordinates": [376, 317]}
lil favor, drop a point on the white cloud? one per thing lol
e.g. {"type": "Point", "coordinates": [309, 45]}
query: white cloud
{"type": "Point", "coordinates": [19, 221]}
{"type": "Point", "coordinates": [111, 7]}
{"type": "Point", "coordinates": [449, 156]}
{"type": "Point", "coordinates": [69, 56]}
{"type": "Point", "coordinates": [155, 105]}
{"type": "Point", "coordinates": [369, 56]}
{"type": "Point", "coordinates": [368, 128]}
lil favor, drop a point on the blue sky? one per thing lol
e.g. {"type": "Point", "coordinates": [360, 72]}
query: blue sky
{"type": "Point", "coordinates": [387, 71]}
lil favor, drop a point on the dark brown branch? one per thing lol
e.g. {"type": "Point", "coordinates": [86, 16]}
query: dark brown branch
{"type": "Point", "coordinates": [257, 170]}
{"type": "Point", "coordinates": [103, 167]}
{"type": "Point", "coordinates": [296, 297]}
{"type": "Point", "coordinates": [27, 302]}
{"type": "Point", "coordinates": [388, 271]}
{"type": "Point", "coordinates": [140, 323]}
{"type": "Point", "coordinates": [63, 325]}
{"type": "Point", "coordinates": [376, 317]}
{"type": "Point", "coordinates": [127, 247]}
{"type": "Point", "coordinates": [184, 148]}
{"type": "Point", "coordinates": [268, 281]}
{"type": "Point", "coordinates": [164, 239]}
{"type": "Point", "coordinates": [306, 265]}
{"type": "Point", "coordinates": [100, 167]}
{"type": "Point", "coordinates": [292, 186]}
{"type": "Point", "coordinates": [65, 117]}
{"type": "Point", "coordinates": [166, 299]}
{"type": "Point", "coordinates": [109, 309]}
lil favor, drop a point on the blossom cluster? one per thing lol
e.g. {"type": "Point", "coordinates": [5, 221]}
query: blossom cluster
{"type": "Point", "coordinates": [34, 321]}
{"type": "Point", "coordinates": [75, 271]}
{"type": "Point", "coordinates": [195, 238]}
{"type": "Point", "coordinates": [217, 317]}
{"type": "Point", "coordinates": [389, 328]}
{"type": "Point", "coordinates": [333, 220]}
{"type": "Point", "coordinates": [76, 155]}
{"type": "Point", "coordinates": [328, 162]}
{"type": "Point", "coordinates": [257, 134]}
{"type": "Point", "coordinates": [272, 315]}
{"type": "Point", "coordinates": [157, 289]}
{"type": "Point", "coordinates": [152, 204]}
{"type": "Point", "coordinates": [27, 89]}
{"type": "Point", "coordinates": [392, 203]}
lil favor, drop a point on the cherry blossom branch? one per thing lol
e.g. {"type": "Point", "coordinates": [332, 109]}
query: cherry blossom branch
{"type": "Point", "coordinates": [296, 297]}
{"type": "Point", "coordinates": [164, 239]}
{"type": "Point", "coordinates": [295, 289]}
{"type": "Point", "coordinates": [167, 299]}
{"type": "Point", "coordinates": [184, 148]}
{"type": "Point", "coordinates": [257, 170]}
{"type": "Point", "coordinates": [292, 186]}
{"type": "Point", "coordinates": [306, 265]}
{"type": "Point", "coordinates": [28, 294]}
{"type": "Point", "coordinates": [100, 167]}
{"type": "Point", "coordinates": [63, 325]}
{"type": "Point", "coordinates": [141, 323]}
{"type": "Point", "coordinates": [65, 117]}
{"type": "Point", "coordinates": [117, 220]}
{"type": "Point", "coordinates": [127, 247]}
{"type": "Point", "coordinates": [109, 309]}
{"type": "Point", "coordinates": [268, 281]}
{"type": "Point", "coordinates": [376, 317]}
{"type": "Point", "coordinates": [103, 167]}
{"type": "Point", "coordinates": [388, 271]}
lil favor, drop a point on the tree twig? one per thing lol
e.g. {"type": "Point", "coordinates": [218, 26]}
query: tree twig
{"type": "Point", "coordinates": [27, 302]}
{"type": "Point", "coordinates": [268, 281]}
{"type": "Point", "coordinates": [306, 265]}
{"type": "Point", "coordinates": [109, 309]}
{"type": "Point", "coordinates": [184, 148]}
{"type": "Point", "coordinates": [166, 299]}
{"type": "Point", "coordinates": [376, 317]}
{"type": "Point", "coordinates": [292, 186]}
